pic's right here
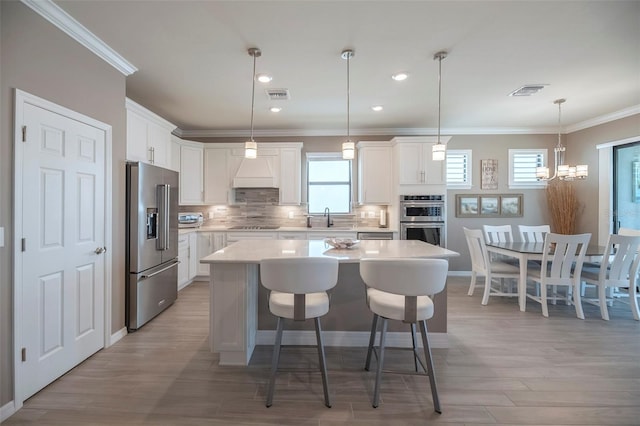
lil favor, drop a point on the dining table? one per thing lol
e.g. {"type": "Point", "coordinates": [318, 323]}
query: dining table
{"type": "Point", "coordinates": [525, 252]}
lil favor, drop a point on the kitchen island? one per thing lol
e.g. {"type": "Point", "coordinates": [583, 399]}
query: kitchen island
{"type": "Point", "coordinates": [234, 283]}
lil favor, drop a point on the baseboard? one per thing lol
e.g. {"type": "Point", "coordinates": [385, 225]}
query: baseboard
{"type": "Point", "coordinates": [118, 335]}
{"type": "Point", "coordinates": [347, 338]}
{"type": "Point", "coordinates": [459, 274]}
{"type": "Point", "coordinates": [7, 410]}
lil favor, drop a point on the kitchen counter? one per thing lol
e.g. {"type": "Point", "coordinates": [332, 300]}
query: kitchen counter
{"type": "Point", "coordinates": [288, 229]}
{"type": "Point", "coordinates": [234, 283]}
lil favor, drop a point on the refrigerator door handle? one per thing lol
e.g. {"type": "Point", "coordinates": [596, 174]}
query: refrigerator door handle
{"type": "Point", "coordinates": [163, 208]}
{"type": "Point", "coordinates": [145, 276]}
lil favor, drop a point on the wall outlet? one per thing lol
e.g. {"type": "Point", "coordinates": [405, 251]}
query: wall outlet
{"type": "Point", "coordinates": [362, 215]}
{"type": "Point", "coordinates": [210, 215]}
{"type": "Point", "coordinates": [290, 215]}
{"type": "Point", "coordinates": [372, 215]}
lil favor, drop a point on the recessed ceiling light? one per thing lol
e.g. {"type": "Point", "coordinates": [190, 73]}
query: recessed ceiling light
{"type": "Point", "coordinates": [400, 76]}
{"type": "Point", "coordinates": [377, 108]}
{"type": "Point", "coordinates": [264, 78]}
{"type": "Point", "coordinates": [275, 109]}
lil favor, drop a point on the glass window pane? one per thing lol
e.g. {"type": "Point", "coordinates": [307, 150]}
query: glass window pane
{"type": "Point", "coordinates": [329, 171]}
{"type": "Point", "coordinates": [336, 197]}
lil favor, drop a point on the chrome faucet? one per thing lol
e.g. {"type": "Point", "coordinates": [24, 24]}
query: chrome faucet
{"type": "Point", "coordinates": [328, 215]}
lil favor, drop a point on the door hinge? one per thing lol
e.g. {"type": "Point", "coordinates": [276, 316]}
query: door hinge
{"type": "Point", "coordinates": [24, 133]}
{"type": "Point", "coordinates": [24, 244]}
{"type": "Point", "coordinates": [24, 354]}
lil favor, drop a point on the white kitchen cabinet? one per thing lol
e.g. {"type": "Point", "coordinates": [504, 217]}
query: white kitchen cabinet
{"type": "Point", "coordinates": [191, 173]}
{"type": "Point", "coordinates": [414, 161]}
{"type": "Point", "coordinates": [176, 144]}
{"type": "Point", "coordinates": [209, 242]}
{"type": "Point", "coordinates": [232, 237]}
{"type": "Point", "coordinates": [374, 173]}
{"type": "Point", "coordinates": [187, 255]}
{"type": "Point", "coordinates": [216, 177]}
{"type": "Point", "coordinates": [321, 235]}
{"type": "Point", "coordinates": [292, 235]}
{"type": "Point", "coordinates": [148, 136]}
{"type": "Point", "coordinates": [290, 174]}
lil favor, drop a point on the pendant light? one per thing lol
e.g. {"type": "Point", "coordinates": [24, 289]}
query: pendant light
{"type": "Point", "coordinates": [348, 147]}
{"type": "Point", "coordinates": [438, 151]}
{"type": "Point", "coordinates": [562, 171]}
{"type": "Point", "coordinates": [250, 146]}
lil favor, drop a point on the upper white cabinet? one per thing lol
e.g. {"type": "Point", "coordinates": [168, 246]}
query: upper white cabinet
{"type": "Point", "coordinates": [374, 173]}
{"type": "Point", "coordinates": [290, 174]}
{"type": "Point", "coordinates": [414, 165]}
{"type": "Point", "coordinates": [216, 177]}
{"type": "Point", "coordinates": [191, 173]}
{"type": "Point", "coordinates": [148, 136]}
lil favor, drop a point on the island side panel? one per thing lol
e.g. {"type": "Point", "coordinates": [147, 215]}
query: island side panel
{"type": "Point", "coordinates": [233, 311]}
{"type": "Point", "coordinates": [348, 310]}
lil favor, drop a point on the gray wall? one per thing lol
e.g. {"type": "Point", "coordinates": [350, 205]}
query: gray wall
{"type": "Point", "coordinates": [40, 59]}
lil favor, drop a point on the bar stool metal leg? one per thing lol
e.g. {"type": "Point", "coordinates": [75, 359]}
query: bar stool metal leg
{"type": "Point", "coordinates": [372, 340]}
{"type": "Point", "coordinates": [275, 361]}
{"type": "Point", "coordinates": [323, 363]}
{"type": "Point", "coordinates": [415, 345]}
{"type": "Point", "coordinates": [431, 372]}
{"type": "Point", "coordinates": [376, 390]}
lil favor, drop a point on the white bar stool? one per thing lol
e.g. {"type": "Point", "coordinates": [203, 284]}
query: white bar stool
{"type": "Point", "coordinates": [399, 289]}
{"type": "Point", "coordinates": [299, 292]}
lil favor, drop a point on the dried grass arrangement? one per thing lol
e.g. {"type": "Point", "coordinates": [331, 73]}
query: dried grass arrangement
{"type": "Point", "coordinates": [564, 206]}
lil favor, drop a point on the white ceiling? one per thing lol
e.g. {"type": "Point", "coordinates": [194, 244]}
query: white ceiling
{"type": "Point", "coordinates": [194, 69]}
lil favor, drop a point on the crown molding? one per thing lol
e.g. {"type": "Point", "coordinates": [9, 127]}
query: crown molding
{"type": "Point", "coordinates": [361, 132]}
{"type": "Point", "coordinates": [74, 29]}
{"type": "Point", "coordinates": [617, 115]}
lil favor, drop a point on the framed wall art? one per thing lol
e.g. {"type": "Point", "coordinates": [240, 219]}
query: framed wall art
{"type": "Point", "coordinates": [489, 205]}
{"type": "Point", "coordinates": [489, 178]}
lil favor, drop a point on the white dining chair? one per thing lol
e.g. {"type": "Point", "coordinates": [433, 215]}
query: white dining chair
{"type": "Point", "coordinates": [618, 270]}
{"type": "Point", "coordinates": [299, 292]}
{"type": "Point", "coordinates": [533, 233]}
{"type": "Point", "coordinates": [561, 265]}
{"type": "Point", "coordinates": [482, 265]}
{"type": "Point", "coordinates": [401, 292]}
{"type": "Point", "coordinates": [497, 233]}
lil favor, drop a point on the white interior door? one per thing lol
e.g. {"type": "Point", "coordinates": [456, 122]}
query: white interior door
{"type": "Point", "coordinates": [63, 226]}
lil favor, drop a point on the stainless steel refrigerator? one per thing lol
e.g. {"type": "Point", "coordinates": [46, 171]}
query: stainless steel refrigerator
{"type": "Point", "coordinates": [152, 242]}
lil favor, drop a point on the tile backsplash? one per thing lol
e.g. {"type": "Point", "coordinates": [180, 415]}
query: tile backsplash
{"type": "Point", "coordinates": [259, 206]}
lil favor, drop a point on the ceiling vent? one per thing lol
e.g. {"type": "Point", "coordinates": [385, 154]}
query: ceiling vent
{"type": "Point", "coordinates": [528, 90]}
{"type": "Point", "coordinates": [278, 94]}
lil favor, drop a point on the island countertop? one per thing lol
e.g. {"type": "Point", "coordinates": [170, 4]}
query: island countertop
{"type": "Point", "coordinates": [253, 251]}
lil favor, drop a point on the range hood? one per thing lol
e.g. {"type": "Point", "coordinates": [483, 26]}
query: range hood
{"type": "Point", "coordinates": [255, 173]}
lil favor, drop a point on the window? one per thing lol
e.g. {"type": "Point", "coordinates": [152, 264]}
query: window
{"type": "Point", "coordinates": [459, 168]}
{"type": "Point", "coordinates": [522, 167]}
{"type": "Point", "coordinates": [328, 183]}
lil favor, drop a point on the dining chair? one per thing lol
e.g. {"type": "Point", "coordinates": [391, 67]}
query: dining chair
{"type": "Point", "coordinates": [299, 288]}
{"type": "Point", "coordinates": [483, 265]}
{"type": "Point", "coordinates": [533, 233]}
{"type": "Point", "coordinates": [497, 233]}
{"type": "Point", "coordinates": [402, 290]}
{"type": "Point", "coordinates": [561, 265]}
{"type": "Point", "coordinates": [618, 270]}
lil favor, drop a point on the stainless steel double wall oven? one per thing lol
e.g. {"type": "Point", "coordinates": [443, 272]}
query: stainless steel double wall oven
{"type": "Point", "coordinates": [422, 217]}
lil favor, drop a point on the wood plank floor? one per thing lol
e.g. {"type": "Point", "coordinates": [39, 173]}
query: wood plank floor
{"type": "Point", "coordinates": [503, 366]}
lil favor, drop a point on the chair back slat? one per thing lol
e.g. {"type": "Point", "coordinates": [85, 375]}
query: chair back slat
{"type": "Point", "coordinates": [533, 234]}
{"type": "Point", "coordinates": [498, 233]}
{"type": "Point", "coordinates": [477, 249]}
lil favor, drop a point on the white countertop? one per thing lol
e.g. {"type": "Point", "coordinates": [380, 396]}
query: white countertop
{"type": "Point", "coordinates": [252, 251]}
{"type": "Point", "coordinates": [286, 229]}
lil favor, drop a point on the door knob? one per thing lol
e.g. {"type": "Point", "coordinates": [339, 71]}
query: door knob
{"type": "Point", "coordinates": [100, 250]}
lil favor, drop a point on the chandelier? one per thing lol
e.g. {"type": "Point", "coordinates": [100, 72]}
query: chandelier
{"type": "Point", "coordinates": [348, 147]}
{"type": "Point", "coordinates": [250, 146]}
{"type": "Point", "coordinates": [562, 170]}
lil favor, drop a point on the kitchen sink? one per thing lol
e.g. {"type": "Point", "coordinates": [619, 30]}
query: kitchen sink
{"type": "Point", "coordinates": [253, 227]}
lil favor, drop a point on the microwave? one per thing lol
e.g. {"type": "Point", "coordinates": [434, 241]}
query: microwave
{"type": "Point", "coordinates": [190, 220]}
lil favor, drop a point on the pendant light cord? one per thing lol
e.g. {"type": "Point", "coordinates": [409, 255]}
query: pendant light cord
{"type": "Point", "coordinates": [559, 102]}
{"type": "Point", "coordinates": [253, 93]}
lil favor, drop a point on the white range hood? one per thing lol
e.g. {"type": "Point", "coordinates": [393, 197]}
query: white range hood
{"type": "Point", "coordinates": [255, 173]}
